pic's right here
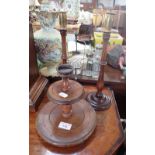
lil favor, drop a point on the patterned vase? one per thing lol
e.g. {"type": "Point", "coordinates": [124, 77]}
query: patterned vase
{"type": "Point", "coordinates": [48, 41]}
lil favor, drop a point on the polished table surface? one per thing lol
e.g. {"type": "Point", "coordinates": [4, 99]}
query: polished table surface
{"type": "Point", "coordinates": [106, 139]}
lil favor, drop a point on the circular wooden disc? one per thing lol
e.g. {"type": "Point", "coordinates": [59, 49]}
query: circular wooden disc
{"type": "Point", "coordinates": [99, 103]}
{"type": "Point", "coordinates": [82, 121]}
{"type": "Point", "coordinates": [74, 92]}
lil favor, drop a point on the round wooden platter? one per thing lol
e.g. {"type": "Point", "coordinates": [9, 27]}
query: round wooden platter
{"type": "Point", "coordinates": [82, 123]}
{"type": "Point", "coordinates": [74, 92]}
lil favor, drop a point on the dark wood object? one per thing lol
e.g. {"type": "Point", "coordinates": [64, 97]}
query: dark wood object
{"type": "Point", "coordinates": [80, 115]}
{"type": "Point", "coordinates": [37, 83]}
{"type": "Point", "coordinates": [99, 100]}
{"type": "Point", "coordinates": [106, 139]}
{"type": "Point", "coordinates": [70, 87]}
{"type": "Point", "coordinates": [82, 119]}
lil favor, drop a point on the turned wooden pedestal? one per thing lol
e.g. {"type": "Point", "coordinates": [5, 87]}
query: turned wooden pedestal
{"type": "Point", "coordinates": [106, 139]}
{"type": "Point", "coordinates": [67, 120]}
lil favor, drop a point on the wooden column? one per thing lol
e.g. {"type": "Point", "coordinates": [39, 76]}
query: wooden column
{"type": "Point", "coordinates": [100, 82]}
{"type": "Point", "coordinates": [63, 33]}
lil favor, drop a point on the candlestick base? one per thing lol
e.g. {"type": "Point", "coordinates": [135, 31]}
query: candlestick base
{"type": "Point", "coordinates": [99, 103]}
{"type": "Point", "coordinates": [62, 131]}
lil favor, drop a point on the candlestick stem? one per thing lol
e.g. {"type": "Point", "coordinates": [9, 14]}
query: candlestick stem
{"type": "Point", "coordinates": [63, 33]}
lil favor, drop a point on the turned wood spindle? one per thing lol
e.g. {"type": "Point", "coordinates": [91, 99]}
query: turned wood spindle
{"type": "Point", "coordinates": [66, 110]}
{"type": "Point", "coordinates": [100, 82]}
{"type": "Point", "coordinates": [63, 33]}
{"type": "Point", "coordinates": [65, 84]}
{"type": "Point", "coordinates": [65, 70]}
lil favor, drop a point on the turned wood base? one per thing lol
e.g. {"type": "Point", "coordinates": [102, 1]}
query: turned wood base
{"type": "Point", "coordinates": [99, 103]}
{"type": "Point", "coordinates": [82, 121]}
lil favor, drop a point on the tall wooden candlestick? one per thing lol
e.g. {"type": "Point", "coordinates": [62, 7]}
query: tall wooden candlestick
{"type": "Point", "coordinates": [100, 82]}
{"type": "Point", "coordinates": [99, 100]}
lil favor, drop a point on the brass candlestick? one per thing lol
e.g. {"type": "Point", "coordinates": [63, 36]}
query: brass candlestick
{"type": "Point", "coordinates": [99, 100]}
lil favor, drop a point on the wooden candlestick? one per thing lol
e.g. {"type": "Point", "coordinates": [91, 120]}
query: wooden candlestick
{"type": "Point", "coordinates": [63, 33]}
{"type": "Point", "coordinates": [98, 100]}
{"type": "Point", "coordinates": [103, 62]}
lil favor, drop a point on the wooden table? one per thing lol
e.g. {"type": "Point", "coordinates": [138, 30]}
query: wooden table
{"type": "Point", "coordinates": [105, 140]}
